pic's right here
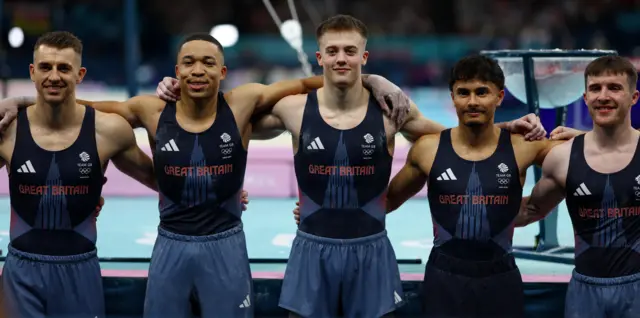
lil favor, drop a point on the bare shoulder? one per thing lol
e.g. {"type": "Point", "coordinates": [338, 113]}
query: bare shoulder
{"type": "Point", "coordinates": [244, 91]}
{"type": "Point", "coordinates": [425, 148]}
{"type": "Point", "coordinates": [292, 101]}
{"type": "Point", "coordinates": [113, 127]}
{"type": "Point", "coordinates": [523, 146]}
{"type": "Point", "coordinates": [146, 103]}
{"type": "Point", "coordinates": [556, 163]}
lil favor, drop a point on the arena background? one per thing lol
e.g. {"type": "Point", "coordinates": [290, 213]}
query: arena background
{"type": "Point", "coordinates": [130, 45]}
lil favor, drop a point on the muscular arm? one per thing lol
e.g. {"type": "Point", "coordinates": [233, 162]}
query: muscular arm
{"type": "Point", "coordinates": [417, 125]}
{"type": "Point", "coordinates": [411, 178]}
{"type": "Point", "coordinates": [267, 127]}
{"type": "Point", "coordinates": [129, 158]}
{"type": "Point", "coordinates": [547, 193]}
{"type": "Point", "coordinates": [545, 147]}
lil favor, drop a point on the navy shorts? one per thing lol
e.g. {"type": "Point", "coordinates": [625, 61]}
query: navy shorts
{"type": "Point", "coordinates": [214, 268]}
{"type": "Point", "coordinates": [358, 277]}
{"type": "Point", "coordinates": [454, 287]}
{"type": "Point", "coordinates": [617, 297]}
{"type": "Point", "coordinates": [37, 286]}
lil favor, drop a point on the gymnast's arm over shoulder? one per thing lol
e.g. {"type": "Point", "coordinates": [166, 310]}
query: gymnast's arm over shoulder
{"type": "Point", "coordinates": [417, 125]}
{"type": "Point", "coordinates": [127, 156]}
{"type": "Point", "coordinates": [549, 191]}
{"type": "Point", "coordinates": [133, 109]}
{"type": "Point", "coordinates": [414, 174]}
{"type": "Point", "coordinates": [266, 126]}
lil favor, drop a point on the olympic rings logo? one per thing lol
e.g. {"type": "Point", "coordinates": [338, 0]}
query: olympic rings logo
{"type": "Point", "coordinates": [85, 170]}
{"type": "Point", "coordinates": [367, 152]}
{"type": "Point", "coordinates": [638, 193]}
{"type": "Point", "coordinates": [503, 181]}
{"type": "Point", "coordinates": [227, 151]}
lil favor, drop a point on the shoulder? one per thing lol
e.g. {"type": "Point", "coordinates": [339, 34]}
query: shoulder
{"type": "Point", "coordinates": [113, 127]}
{"type": "Point", "coordinates": [146, 103]}
{"type": "Point", "coordinates": [244, 93]}
{"type": "Point", "coordinates": [425, 146]}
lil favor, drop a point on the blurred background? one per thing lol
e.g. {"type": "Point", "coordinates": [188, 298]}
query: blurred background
{"type": "Point", "coordinates": [129, 46]}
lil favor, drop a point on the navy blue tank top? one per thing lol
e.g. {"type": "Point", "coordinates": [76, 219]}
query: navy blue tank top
{"type": "Point", "coordinates": [54, 194]}
{"type": "Point", "coordinates": [342, 174]}
{"type": "Point", "coordinates": [605, 212]}
{"type": "Point", "coordinates": [200, 175]}
{"type": "Point", "coordinates": [474, 203]}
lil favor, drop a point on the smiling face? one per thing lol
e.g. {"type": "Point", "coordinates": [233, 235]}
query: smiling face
{"type": "Point", "coordinates": [56, 67]}
{"type": "Point", "coordinates": [342, 55]}
{"type": "Point", "coordinates": [342, 41]}
{"type": "Point", "coordinates": [200, 68]}
{"type": "Point", "coordinates": [609, 98]}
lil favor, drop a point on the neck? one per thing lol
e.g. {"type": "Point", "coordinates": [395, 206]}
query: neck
{"type": "Point", "coordinates": [197, 108]}
{"type": "Point", "coordinates": [343, 98]}
{"type": "Point", "coordinates": [55, 116]}
{"type": "Point", "coordinates": [479, 136]}
{"type": "Point", "coordinates": [610, 137]}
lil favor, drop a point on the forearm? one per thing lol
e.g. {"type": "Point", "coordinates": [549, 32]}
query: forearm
{"type": "Point", "coordinates": [528, 214]}
{"type": "Point", "coordinates": [311, 83]}
{"type": "Point", "coordinates": [407, 183]}
{"type": "Point", "coordinates": [23, 101]}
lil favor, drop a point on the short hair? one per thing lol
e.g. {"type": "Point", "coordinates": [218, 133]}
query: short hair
{"type": "Point", "coordinates": [342, 22]}
{"type": "Point", "coordinates": [201, 36]}
{"type": "Point", "coordinates": [477, 67]}
{"type": "Point", "coordinates": [59, 40]}
{"type": "Point", "coordinates": [612, 65]}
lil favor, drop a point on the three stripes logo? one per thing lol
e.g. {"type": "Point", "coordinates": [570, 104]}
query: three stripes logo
{"type": "Point", "coordinates": [396, 297]}
{"type": "Point", "coordinates": [316, 144]}
{"type": "Point", "coordinates": [170, 146]}
{"type": "Point", "coordinates": [27, 167]}
{"type": "Point", "coordinates": [447, 175]}
{"type": "Point", "coordinates": [246, 303]}
{"type": "Point", "coordinates": [582, 191]}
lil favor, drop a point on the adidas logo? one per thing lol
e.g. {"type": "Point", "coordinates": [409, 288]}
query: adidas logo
{"type": "Point", "coordinates": [27, 167]}
{"type": "Point", "coordinates": [582, 191]}
{"type": "Point", "coordinates": [396, 297]}
{"type": "Point", "coordinates": [447, 175]}
{"type": "Point", "coordinates": [316, 144]}
{"type": "Point", "coordinates": [170, 146]}
{"type": "Point", "coordinates": [246, 303]}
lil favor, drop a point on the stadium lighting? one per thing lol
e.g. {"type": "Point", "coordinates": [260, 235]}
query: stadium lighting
{"type": "Point", "coordinates": [291, 31]}
{"type": "Point", "coordinates": [226, 34]}
{"type": "Point", "coordinates": [16, 37]}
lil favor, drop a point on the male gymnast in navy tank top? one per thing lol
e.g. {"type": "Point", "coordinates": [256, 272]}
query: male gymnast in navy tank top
{"type": "Point", "coordinates": [599, 175]}
{"type": "Point", "coordinates": [56, 153]}
{"type": "Point", "coordinates": [200, 151]}
{"type": "Point", "coordinates": [475, 174]}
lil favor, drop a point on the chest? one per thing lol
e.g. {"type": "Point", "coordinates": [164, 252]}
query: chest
{"type": "Point", "coordinates": [357, 146]}
{"type": "Point", "coordinates": [608, 161]}
{"type": "Point", "coordinates": [455, 178]}
{"type": "Point", "coordinates": [55, 140]}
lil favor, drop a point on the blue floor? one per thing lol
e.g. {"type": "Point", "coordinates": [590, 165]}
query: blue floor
{"type": "Point", "coordinates": [127, 228]}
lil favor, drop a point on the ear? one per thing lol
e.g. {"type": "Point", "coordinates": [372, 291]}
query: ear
{"type": "Point", "coordinates": [500, 98]}
{"type": "Point", "coordinates": [81, 73]}
{"type": "Point", "coordinates": [584, 97]}
{"type": "Point", "coordinates": [223, 72]}
{"type": "Point", "coordinates": [32, 70]}
{"type": "Point", "coordinates": [319, 58]}
{"type": "Point", "coordinates": [365, 57]}
{"type": "Point", "coordinates": [177, 72]}
{"type": "Point", "coordinates": [634, 97]}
